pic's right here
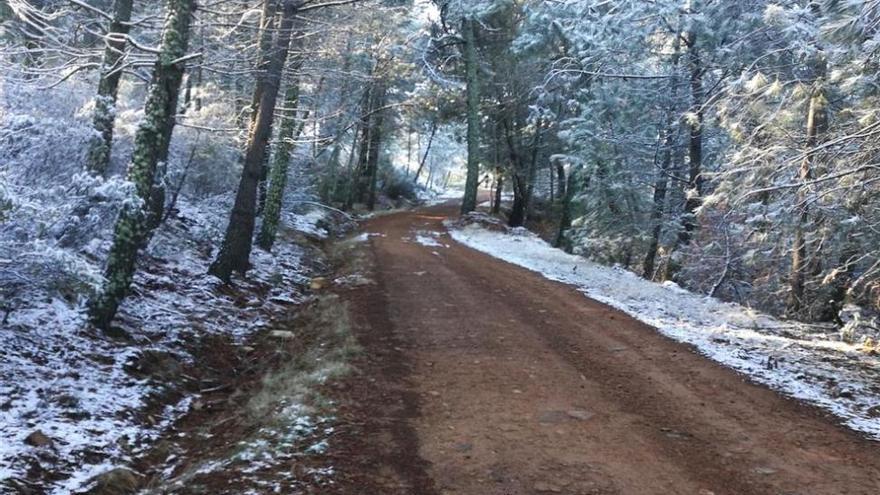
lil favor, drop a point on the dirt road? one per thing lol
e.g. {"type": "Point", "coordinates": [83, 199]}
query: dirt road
{"type": "Point", "coordinates": [483, 378]}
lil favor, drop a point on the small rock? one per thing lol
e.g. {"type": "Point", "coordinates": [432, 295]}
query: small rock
{"type": "Point", "coordinates": [67, 400]}
{"type": "Point", "coordinates": [545, 487]}
{"type": "Point", "coordinates": [119, 481]}
{"type": "Point", "coordinates": [318, 283]}
{"type": "Point", "coordinates": [282, 334]}
{"type": "Point", "coordinates": [38, 439]}
{"type": "Point", "coordinates": [844, 394]}
{"type": "Point", "coordinates": [463, 447]}
{"type": "Point", "coordinates": [579, 414]}
{"type": "Point", "coordinates": [552, 417]}
{"type": "Point", "coordinates": [159, 365]}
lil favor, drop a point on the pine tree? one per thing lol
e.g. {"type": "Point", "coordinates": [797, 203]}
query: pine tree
{"type": "Point", "coordinates": [133, 227]}
{"type": "Point", "coordinates": [108, 87]}
{"type": "Point", "coordinates": [469, 202]}
{"type": "Point", "coordinates": [234, 255]}
{"type": "Point", "coordinates": [287, 135]}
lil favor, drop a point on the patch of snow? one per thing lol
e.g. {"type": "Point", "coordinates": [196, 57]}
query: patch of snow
{"type": "Point", "coordinates": [353, 280]}
{"type": "Point", "coordinates": [427, 241]}
{"type": "Point", "coordinates": [433, 198]}
{"type": "Point", "coordinates": [364, 237]}
{"type": "Point", "coordinates": [308, 223]}
{"type": "Point", "coordinates": [785, 356]}
{"type": "Point", "coordinates": [427, 238]}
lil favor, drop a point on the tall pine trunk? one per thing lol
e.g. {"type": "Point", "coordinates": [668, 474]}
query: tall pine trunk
{"type": "Point", "coordinates": [427, 151]}
{"type": "Point", "coordinates": [469, 202]}
{"type": "Point", "coordinates": [133, 227]}
{"type": "Point", "coordinates": [499, 189]}
{"type": "Point", "coordinates": [519, 184]}
{"type": "Point", "coordinates": [268, 16]}
{"type": "Point", "coordinates": [533, 169]}
{"type": "Point", "coordinates": [560, 181]}
{"type": "Point", "coordinates": [268, 20]}
{"type": "Point", "coordinates": [797, 274]}
{"type": "Point", "coordinates": [234, 255]}
{"type": "Point", "coordinates": [518, 209]}
{"type": "Point", "coordinates": [695, 144]}
{"type": "Point", "coordinates": [659, 200]}
{"type": "Point", "coordinates": [375, 145]}
{"type": "Point", "coordinates": [108, 88]}
{"type": "Point", "coordinates": [662, 179]}
{"type": "Point", "coordinates": [287, 136]}
{"type": "Point", "coordinates": [356, 191]}
{"type": "Point", "coordinates": [565, 219]}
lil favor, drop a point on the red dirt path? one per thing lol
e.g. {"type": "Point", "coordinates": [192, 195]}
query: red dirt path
{"type": "Point", "coordinates": [483, 378]}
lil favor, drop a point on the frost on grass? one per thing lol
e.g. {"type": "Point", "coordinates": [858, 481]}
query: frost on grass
{"type": "Point", "coordinates": [794, 359]}
{"type": "Point", "coordinates": [284, 414]}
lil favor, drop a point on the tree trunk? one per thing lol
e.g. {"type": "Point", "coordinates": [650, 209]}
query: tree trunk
{"type": "Point", "coordinates": [695, 145]}
{"type": "Point", "coordinates": [565, 217]}
{"type": "Point", "coordinates": [151, 142]}
{"type": "Point", "coordinates": [264, 60]}
{"type": "Point", "coordinates": [659, 201]}
{"type": "Point", "coordinates": [815, 122]}
{"type": "Point", "coordinates": [469, 202]}
{"type": "Point", "coordinates": [662, 179]}
{"type": "Point", "coordinates": [408, 152]}
{"type": "Point", "coordinates": [560, 180]}
{"type": "Point", "coordinates": [427, 151]}
{"type": "Point", "coordinates": [287, 136]}
{"type": "Point", "coordinates": [533, 170]}
{"type": "Point", "coordinates": [351, 170]}
{"type": "Point", "coordinates": [518, 209]}
{"type": "Point", "coordinates": [377, 134]}
{"type": "Point", "coordinates": [108, 88]}
{"type": "Point", "coordinates": [356, 193]}
{"type": "Point", "coordinates": [234, 255]}
{"type": "Point", "coordinates": [499, 188]}
{"type": "Point", "coordinates": [264, 56]}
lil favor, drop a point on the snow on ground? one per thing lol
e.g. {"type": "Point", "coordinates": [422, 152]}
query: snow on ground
{"type": "Point", "coordinates": [788, 357]}
{"type": "Point", "coordinates": [75, 386]}
{"type": "Point", "coordinates": [426, 238]}
{"type": "Point", "coordinates": [308, 223]}
{"type": "Point", "coordinates": [432, 198]}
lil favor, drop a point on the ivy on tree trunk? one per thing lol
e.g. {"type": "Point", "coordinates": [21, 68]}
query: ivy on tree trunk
{"type": "Point", "coordinates": [136, 219]}
{"type": "Point", "coordinates": [287, 135]}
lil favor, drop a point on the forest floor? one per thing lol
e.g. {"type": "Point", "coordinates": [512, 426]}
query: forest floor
{"type": "Point", "coordinates": [480, 377]}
